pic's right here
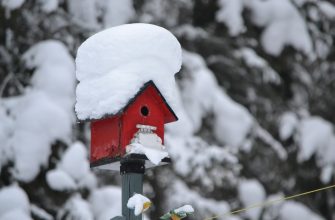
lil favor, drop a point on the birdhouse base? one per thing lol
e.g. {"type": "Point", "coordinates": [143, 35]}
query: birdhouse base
{"type": "Point", "coordinates": [115, 163]}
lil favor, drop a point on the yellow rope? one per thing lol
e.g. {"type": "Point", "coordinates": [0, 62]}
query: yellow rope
{"type": "Point", "coordinates": [268, 203]}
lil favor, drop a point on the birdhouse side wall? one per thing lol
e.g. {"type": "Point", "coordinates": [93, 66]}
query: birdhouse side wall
{"type": "Point", "coordinates": [105, 139]}
{"type": "Point", "coordinates": [145, 110]}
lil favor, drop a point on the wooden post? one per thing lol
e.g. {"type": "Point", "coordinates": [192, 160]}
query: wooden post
{"type": "Point", "coordinates": [132, 172]}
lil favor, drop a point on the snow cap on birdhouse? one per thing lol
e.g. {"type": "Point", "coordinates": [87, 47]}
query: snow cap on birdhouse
{"type": "Point", "coordinates": [126, 87]}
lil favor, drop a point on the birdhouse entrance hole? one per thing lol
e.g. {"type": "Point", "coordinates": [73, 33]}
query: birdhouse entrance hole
{"type": "Point", "coordinates": [144, 111]}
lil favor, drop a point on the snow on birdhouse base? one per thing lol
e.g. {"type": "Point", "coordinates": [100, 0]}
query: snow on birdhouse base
{"type": "Point", "coordinates": [115, 163]}
{"type": "Point", "coordinates": [155, 155]}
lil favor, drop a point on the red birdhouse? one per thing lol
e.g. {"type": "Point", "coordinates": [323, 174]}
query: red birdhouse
{"type": "Point", "coordinates": [111, 134]}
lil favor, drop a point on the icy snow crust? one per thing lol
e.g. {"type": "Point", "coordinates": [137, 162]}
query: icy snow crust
{"type": "Point", "coordinates": [114, 64]}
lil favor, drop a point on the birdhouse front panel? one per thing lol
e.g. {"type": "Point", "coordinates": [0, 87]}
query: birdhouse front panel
{"type": "Point", "coordinates": [145, 110]}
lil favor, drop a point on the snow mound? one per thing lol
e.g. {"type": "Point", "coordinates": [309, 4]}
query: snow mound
{"type": "Point", "coordinates": [12, 4]}
{"type": "Point", "coordinates": [281, 21]}
{"type": "Point", "coordinates": [12, 199]}
{"type": "Point", "coordinates": [43, 114]}
{"type": "Point", "coordinates": [251, 192]}
{"type": "Point", "coordinates": [139, 203]}
{"type": "Point", "coordinates": [315, 133]}
{"type": "Point", "coordinates": [293, 210]}
{"type": "Point", "coordinates": [114, 64]}
{"type": "Point", "coordinates": [105, 202]}
{"type": "Point", "coordinates": [60, 180]}
{"type": "Point", "coordinates": [287, 124]}
{"type": "Point", "coordinates": [77, 208]}
{"type": "Point", "coordinates": [15, 215]}
{"type": "Point", "coordinates": [230, 13]}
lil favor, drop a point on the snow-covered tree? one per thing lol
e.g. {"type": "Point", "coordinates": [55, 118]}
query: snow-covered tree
{"type": "Point", "coordinates": [255, 97]}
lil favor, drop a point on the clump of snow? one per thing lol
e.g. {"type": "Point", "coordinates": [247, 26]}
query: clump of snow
{"type": "Point", "coordinates": [154, 155]}
{"type": "Point", "coordinates": [60, 180]}
{"type": "Point", "coordinates": [287, 124]}
{"type": "Point", "coordinates": [230, 13]}
{"type": "Point", "coordinates": [267, 138]}
{"type": "Point", "coordinates": [315, 134]}
{"type": "Point", "coordinates": [281, 21]}
{"type": "Point", "coordinates": [252, 59]}
{"type": "Point", "coordinates": [40, 213]}
{"type": "Point", "coordinates": [327, 8]}
{"type": "Point", "coordinates": [84, 12]}
{"type": "Point", "coordinates": [251, 192]}
{"type": "Point", "coordinates": [105, 202]}
{"type": "Point", "coordinates": [185, 208]}
{"type": "Point", "coordinates": [74, 161]}
{"type": "Point", "coordinates": [116, 12]}
{"type": "Point", "coordinates": [205, 206]}
{"type": "Point", "coordinates": [12, 4]}
{"type": "Point", "coordinates": [43, 114]}
{"type": "Point", "coordinates": [15, 215]}
{"type": "Point", "coordinates": [49, 5]}
{"type": "Point", "coordinates": [139, 203]}
{"type": "Point", "coordinates": [292, 210]}
{"type": "Point", "coordinates": [114, 64]}
{"type": "Point", "coordinates": [197, 163]}
{"type": "Point", "coordinates": [13, 199]}
{"type": "Point", "coordinates": [76, 208]}
{"type": "Point", "coordinates": [232, 121]}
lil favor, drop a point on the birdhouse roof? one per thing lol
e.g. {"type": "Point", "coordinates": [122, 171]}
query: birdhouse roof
{"type": "Point", "coordinates": [113, 65]}
{"type": "Point", "coordinates": [169, 114]}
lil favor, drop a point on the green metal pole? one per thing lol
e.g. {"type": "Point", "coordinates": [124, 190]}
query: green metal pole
{"type": "Point", "coordinates": [132, 172]}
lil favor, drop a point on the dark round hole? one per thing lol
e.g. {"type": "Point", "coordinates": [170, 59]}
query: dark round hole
{"type": "Point", "coordinates": [144, 111]}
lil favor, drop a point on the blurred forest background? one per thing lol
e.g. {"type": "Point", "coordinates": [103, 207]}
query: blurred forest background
{"type": "Point", "coordinates": [256, 109]}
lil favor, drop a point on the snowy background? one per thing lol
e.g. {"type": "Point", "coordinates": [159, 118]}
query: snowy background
{"type": "Point", "coordinates": [255, 97]}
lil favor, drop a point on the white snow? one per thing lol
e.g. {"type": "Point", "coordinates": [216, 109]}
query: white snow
{"type": "Point", "coordinates": [327, 8]}
{"type": "Point", "coordinates": [105, 202]}
{"type": "Point", "coordinates": [292, 210]}
{"type": "Point", "coordinates": [43, 114]}
{"type": "Point", "coordinates": [287, 125]}
{"type": "Point", "coordinates": [197, 163]}
{"type": "Point", "coordinates": [16, 214]}
{"type": "Point", "coordinates": [314, 134]}
{"type": "Point", "coordinates": [77, 208]}
{"type": "Point", "coordinates": [60, 180]}
{"type": "Point", "coordinates": [49, 5]}
{"type": "Point", "coordinates": [74, 162]}
{"type": "Point", "coordinates": [181, 194]}
{"type": "Point", "coordinates": [230, 13]}
{"type": "Point", "coordinates": [267, 138]}
{"type": "Point", "coordinates": [40, 213]}
{"type": "Point", "coordinates": [84, 13]}
{"type": "Point", "coordinates": [116, 12]}
{"type": "Point", "coordinates": [13, 199]}
{"type": "Point", "coordinates": [137, 202]}
{"type": "Point", "coordinates": [251, 192]}
{"type": "Point", "coordinates": [232, 121]}
{"type": "Point", "coordinates": [12, 4]}
{"type": "Point", "coordinates": [154, 155]}
{"type": "Point", "coordinates": [114, 64]}
{"type": "Point", "coordinates": [252, 59]}
{"type": "Point", "coordinates": [185, 208]}
{"type": "Point", "coordinates": [282, 22]}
